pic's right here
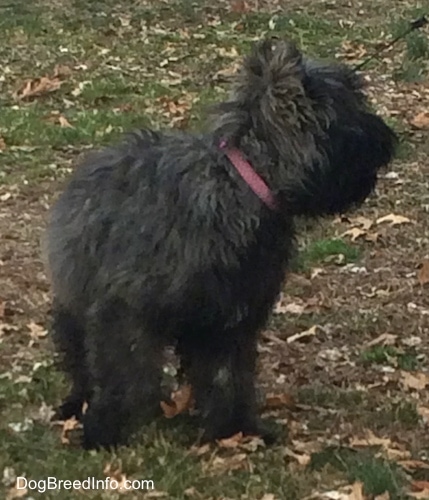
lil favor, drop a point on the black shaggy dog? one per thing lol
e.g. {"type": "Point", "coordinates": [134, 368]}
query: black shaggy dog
{"type": "Point", "coordinates": [164, 239]}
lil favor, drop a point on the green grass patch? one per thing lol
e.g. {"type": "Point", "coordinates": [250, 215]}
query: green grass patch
{"type": "Point", "coordinates": [403, 413]}
{"type": "Point", "coordinates": [327, 251]}
{"type": "Point", "coordinates": [323, 396]}
{"type": "Point", "coordinates": [377, 475]}
{"type": "Point", "coordinates": [390, 355]}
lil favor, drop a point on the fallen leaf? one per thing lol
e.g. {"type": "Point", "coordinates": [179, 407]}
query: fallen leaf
{"type": "Point", "coordinates": [357, 491]}
{"type": "Point", "coordinates": [200, 450]}
{"type": "Point", "coordinates": [419, 489]}
{"type": "Point", "coordinates": [383, 339]}
{"type": "Point", "coordinates": [268, 496]}
{"type": "Point", "coordinates": [302, 458]}
{"type": "Point", "coordinates": [423, 273]}
{"type": "Point", "coordinates": [181, 401]}
{"type": "Point", "coordinates": [115, 472]}
{"type": "Point", "coordinates": [421, 120]}
{"type": "Point", "coordinates": [414, 380]}
{"type": "Point", "coordinates": [411, 465]}
{"type": "Point", "coordinates": [239, 6]}
{"type": "Point", "coordinates": [220, 465]}
{"type": "Point", "coordinates": [394, 220]}
{"type": "Point", "coordinates": [37, 87]}
{"type": "Point", "coordinates": [423, 411]}
{"type": "Point", "coordinates": [61, 71]}
{"type": "Point", "coordinates": [384, 496]}
{"type": "Point", "coordinates": [64, 122]}
{"type": "Point", "coordinates": [5, 196]}
{"type": "Point", "coordinates": [291, 308]}
{"type": "Point", "coordinates": [311, 332]}
{"type": "Point", "coordinates": [362, 221]}
{"type": "Point", "coordinates": [370, 440]}
{"type": "Point", "coordinates": [394, 454]}
{"type": "Point", "coordinates": [316, 271]}
{"type": "Point", "coordinates": [283, 400]}
{"type": "Point", "coordinates": [68, 425]}
{"type": "Point", "coordinates": [36, 331]}
{"type": "Point", "coordinates": [6, 328]}
{"type": "Point", "coordinates": [231, 442]}
{"type": "Point", "coordinates": [14, 492]}
{"type": "Point", "coordinates": [353, 492]}
{"type": "Point", "coordinates": [354, 233]}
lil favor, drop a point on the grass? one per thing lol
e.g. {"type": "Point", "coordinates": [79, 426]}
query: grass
{"type": "Point", "coordinates": [377, 475]}
{"type": "Point", "coordinates": [155, 64]}
{"type": "Point", "coordinates": [390, 355]}
{"type": "Point", "coordinates": [327, 251]}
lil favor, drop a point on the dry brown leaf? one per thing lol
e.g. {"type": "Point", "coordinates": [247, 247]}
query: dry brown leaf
{"type": "Point", "coordinates": [421, 121]}
{"type": "Point", "coordinates": [68, 425]}
{"type": "Point", "coordinates": [115, 472]}
{"type": "Point", "coordinates": [414, 380]}
{"type": "Point", "coordinates": [181, 401]}
{"type": "Point", "coordinates": [423, 411]}
{"type": "Point", "coordinates": [362, 221]}
{"type": "Point", "coordinates": [311, 332]}
{"type": "Point", "coordinates": [239, 6]}
{"type": "Point", "coordinates": [354, 233]}
{"type": "Point", "coordinates": [62, 120]}
{"type": "Point", "coordinates": [37, 87]}
{"type": "Point", "coordinates": [357, 491]}
{"type": "Point", "coordinates": [371, 440]}
{"type": "Point", "coordinates": [384, 339]}
{"type": "Point", "coordinates": [302, 458]}
{"type": "Point", "coordinates": [220, 465]}
{"type": "Point", "coordinates": [2, 309]}
{"type": "Point", "coordinates": [200, 450]}
{"type": "Point", "coordinates": [396, 455]}
{"type": "Point", "coordinates": [316, 271]}
{"type": "Point", "coordinates": [291, 308]}
{"type": "Point", "coordinates": [352, 492]}
{"type": "Point", "coordinates": [61, 71]}
{"type": "Point", "coordinates": [384, 496]}
{"type": "Point", "coordinates": [283, 400]}
{"type": "Point", "coordinates": [269, 496]}
{"type": "Point", "coordinates": [423, 273]}
{"type": "Point", "coordinates": [231, 442]}
{"type": "Point", "coordinates": [5, 196]}
{"type": "Point", "coordinates": [36, 331]}
{"type": "Point", "coordinates": [411, 465]}
{"type": "Point", "coordinates": [419, 489]}
{"type": "Point", "coordinates": [227, 73]}
{"type": "Point", "coordinates": [14, 492]}
{"type": "Point", "coordinates": [394, 219]}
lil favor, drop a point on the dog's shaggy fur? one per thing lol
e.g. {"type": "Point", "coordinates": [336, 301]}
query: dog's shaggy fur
{"type": "Point", "coordinates": [159, 240]}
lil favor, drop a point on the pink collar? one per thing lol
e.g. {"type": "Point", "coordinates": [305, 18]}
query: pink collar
{"type": "Point", "coordinates": [254, 181]}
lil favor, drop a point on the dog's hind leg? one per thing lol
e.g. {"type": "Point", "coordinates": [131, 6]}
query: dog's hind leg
{"type": "Point", "coordinates": [126, 367]}
{"type": "Point", "coordinates": [222, 374]}
{"type": "Point", "coordinates": [68, 336]}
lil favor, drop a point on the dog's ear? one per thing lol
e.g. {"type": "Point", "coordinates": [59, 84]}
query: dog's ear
{"type": "Point", "coordinates": [273, 60]}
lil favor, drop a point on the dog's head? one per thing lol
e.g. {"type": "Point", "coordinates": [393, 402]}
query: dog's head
{"type": "Point", "coordinates": [314, 116]}
{"type": "Point", "coordinates": [284, 94]}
